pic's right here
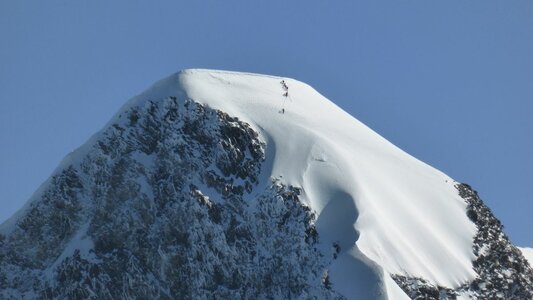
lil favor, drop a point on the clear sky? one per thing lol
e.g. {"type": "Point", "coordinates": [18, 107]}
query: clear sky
{"type": "Point", "coordinates": [450, 82]}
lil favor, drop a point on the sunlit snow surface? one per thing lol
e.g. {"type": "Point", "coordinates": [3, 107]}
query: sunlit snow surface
{"type": "Point", "coordinates": [389, 212]}
{"type": "Point", "coordinates": [528, 254]}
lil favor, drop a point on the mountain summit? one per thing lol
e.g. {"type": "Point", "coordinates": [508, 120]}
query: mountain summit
{"type": "Point", "coordinates": [215, 185]}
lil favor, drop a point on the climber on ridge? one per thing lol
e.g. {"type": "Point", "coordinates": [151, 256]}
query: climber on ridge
{"type": "Point", "coordinates": [285, 88]}
{"type": "Point", "coordinates": [286, 94]}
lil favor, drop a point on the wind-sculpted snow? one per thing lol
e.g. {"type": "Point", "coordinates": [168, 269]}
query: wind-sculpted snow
{"type": "Point", "coordinates": [166, 204]}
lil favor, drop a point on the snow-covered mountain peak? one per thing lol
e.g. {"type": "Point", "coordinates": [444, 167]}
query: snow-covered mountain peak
{"type": "Point", "coordinates": [263, 187]}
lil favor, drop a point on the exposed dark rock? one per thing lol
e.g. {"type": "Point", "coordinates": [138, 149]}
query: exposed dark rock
{"type": "Point", "coordinates": [157, 209]}
{"type": "Point", "coordinates": [503, 272]}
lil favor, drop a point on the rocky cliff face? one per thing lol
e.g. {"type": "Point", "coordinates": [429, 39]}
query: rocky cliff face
{"type": "Point", "coordinates": [166, 205]}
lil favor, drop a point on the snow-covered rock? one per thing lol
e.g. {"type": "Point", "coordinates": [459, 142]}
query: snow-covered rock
{"type": "Point", "coordinates": [215, 184]}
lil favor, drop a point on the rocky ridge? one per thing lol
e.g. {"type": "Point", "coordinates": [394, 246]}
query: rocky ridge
{"type": "Point", "coordinates": [167, 205]}
{"type": "Point", "coordinates": [503, 271]}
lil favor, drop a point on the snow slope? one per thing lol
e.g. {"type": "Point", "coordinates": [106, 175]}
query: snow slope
{"type": "Point", "coordinates": [389, 212]}
{"type": "Point", "coordinates": [528, 254]}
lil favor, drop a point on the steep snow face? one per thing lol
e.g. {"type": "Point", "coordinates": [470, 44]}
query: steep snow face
{"type": "Point", "coordinates": [401, 214]}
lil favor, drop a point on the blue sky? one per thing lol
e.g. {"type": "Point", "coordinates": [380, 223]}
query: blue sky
{"type": "Point", "coordinates": [450, 82]}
